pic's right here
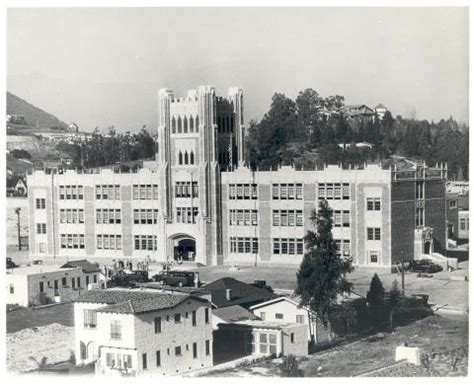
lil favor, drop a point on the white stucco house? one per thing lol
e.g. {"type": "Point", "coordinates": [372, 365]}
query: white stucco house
{"type": "Point", "coordinates": [143, 331]}
{"type": "Point", "coordinates": [284, 310]}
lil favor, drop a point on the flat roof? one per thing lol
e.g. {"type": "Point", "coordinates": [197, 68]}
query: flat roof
{"type": "Point", "coordinates": [39, 269]}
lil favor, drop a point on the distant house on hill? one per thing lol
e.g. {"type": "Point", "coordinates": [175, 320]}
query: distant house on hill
{"type": "Point", "coordinates": [17, 187]}
{"type": "Point", "coordinates": [380, 111]}
{"type": "Point", "coordinates": [73, 127]}
{"type": "Point", "coordinates": [17, 119]}
{"type": "Point", "coordinates": [229, 291]}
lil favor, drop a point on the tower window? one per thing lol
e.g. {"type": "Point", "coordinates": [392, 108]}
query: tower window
{"type": "Point", "coordinates": [197, 123]}
{"type": "Point", "coordinates": [185, 125]}
{"type": "Point", "coordinates": [191, 124]}
{"type": "Point", "coordinates": [180, 158]}
{"type": "Point", "coordinates": [179, 125]}
{"type": "Point", "coordinates": [186, 157]}
{"type": "Point", "coordinates": [191, 157]}
{"type": "Point", "coordinates": [173, 125]}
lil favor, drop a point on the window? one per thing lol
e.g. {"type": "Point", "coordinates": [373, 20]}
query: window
{"type": "Point", "coordinates": [177, 351]}
{"type": "Point", "coordinates": [262, 315]}
{"type": "Point", "coordinates": [284, 191]}
{"type": "Point", "coordinates": [72, 241]}
{"type": "Point", "coordinates": [71, 192]}
{"type": "Point", "coordinates": [64, 281]}
{"type": "Point", "coordinates": [158, 358]}
{"type": "Point", "coordinates": [373, 233]}
{"type": "Point", "coordinates": [278, 316]}
{"type": "Point", "coordinates": [373, 204]}
{"type": "Point", "coordinates": [374, 257]}
{"type": "Point", "coordinates": [116, 330]}
{"type": "Point", "coordinates": [157, 325]}
{"type": "Point", "coordinates": [453, 204]}
{"type": "Point", "coordinates": [464, 224]}
{"type": "Point", "coordinates": [90, 318]}
{"type": "Point", "coordinates": [177, 318]}
{"type": "Point", "coordinates": [290, 246]}
{"type": "Point", "coordinates": [195, 350]}
{"type": "Point", "coordinates": [42, 247]}
{"type": "Point", "coordinates": [300, 318]}
{"type": "Point", "coordinates": [145, 242]}
{"type": "Point", "coordinates": [12, 288]}
{"type": "Point", "coordinates": [145, 192]}
{"type": "Point", "coordinates": [244, 191]}
{"type": "Point", "coordinates": [243, 245]}
{"type": "Point", "coordinates": [194, 318]}
{"type": "Point", "coordinates": [208, 348]}
{"type": "Point", "coordinates": [144, 363]}
{"type": "Point", "coordinates": [87, 280]}
{"type": "Point", "coordinates": [206, 315]}
{"type": "Point", "coordinates": [109, 242]}
{"type": "Point", "coordinates": [289, 218]}
{"type": "Point", "coordinates": [41, 228]}
{"type": "Point", "coordinates": [40, 203]}
{"type": "Point", "coordinates": [41, 287]}
{"type": "Point", "coordinates": [292, 338]}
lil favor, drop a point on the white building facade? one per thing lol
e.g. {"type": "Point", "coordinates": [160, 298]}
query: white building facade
{"type": "Point", "coordinates": [198, 201]}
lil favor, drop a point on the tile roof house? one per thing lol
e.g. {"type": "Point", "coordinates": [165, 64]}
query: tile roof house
{"type": "Point", "coordinates": [140, 331]}
{"type": "Point", "coordinates": [229, 291]}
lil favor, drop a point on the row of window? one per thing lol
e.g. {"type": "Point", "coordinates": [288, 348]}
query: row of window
{"type": "Point", "coordinates": [181, 126]}
{"type": "Point", "coordinates": [287, 191]}
{"type": "Point", "coordinates": [186, 214]}
{"type": "Point", "coordinates": [146, 242]}
{"type": "Point", "coordinates": [342, 218]}
{"type": "Point", "coordinates": [243, 191]}
{"type": "Point", "coordinates": [71, 216]}
{"type": "Point", "coordinates": [373, 233]}
{"type": "Point", "coordinates": [288, 246]}
{"type": "Point", "coordinates": [373, 204]}
{"type": "Point", "coordinates": [243, 217]}
{"type": "Point", "coordinates": [145, 191]}
{"type": "Point", "coordinates": [267, 342]}
{"type": "Point", "coordinates": [334, 191]}
{"type": "Point", "coordinates": [186, 190]}
{"type": "Point", "coordinates": [75, 282]}
{"type": "Point", "coordinates": [300, 318]}
{"type": "Point", "coordinates": [109, 242]}
{"type": "Point", "coordinates": [145, 216]}
{"type": "Point", "coordinates": [107, 191]}
{"type": "Point", "coordinates": [108, 216]}
{"type": "Point", "coordinates": [344, 247]}
{"type": "Point", "coordinates": [72, 241]}
{"type": "Point", "coordinates": [287, 218]}
{"type": "Point", "coordinates": [225, 123]}
{"type": "Point", "coordinates": [243, 245]}
{"type": "Point", "coordinates": [185, 158]}
{"type": "Point", "coordinates": [71, 192]}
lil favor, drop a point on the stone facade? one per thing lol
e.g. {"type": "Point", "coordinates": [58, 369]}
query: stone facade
{"type": "Point", "coordinates": [198, 201]}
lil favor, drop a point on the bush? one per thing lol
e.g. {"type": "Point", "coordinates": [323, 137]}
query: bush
{"type": "Point", "coordinates": [20, 154]}
{"type": "Point", "coordinates": [290, 367]}
{"type": "Point", "coordinates": [41, 299]}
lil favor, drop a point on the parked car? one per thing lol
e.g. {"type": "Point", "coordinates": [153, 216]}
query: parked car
{"type": "Point", "coordinates": [177, 278]}
{"type": "Point", "coordinates": [10, 263]}
{"type": "Point", "coordinates": [424, 266]}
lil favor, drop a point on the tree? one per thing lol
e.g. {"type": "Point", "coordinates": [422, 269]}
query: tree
{"type": "Point", "coordinates": [20, 154]}
{"type": "Point", "coordinates": [290, 367]}
{"type": "Point", "coordinates": [394, 301]}
{"type": "Point", "coordinates": [321, 277]}
{"type": "Point", "coordinates": [376, 302]}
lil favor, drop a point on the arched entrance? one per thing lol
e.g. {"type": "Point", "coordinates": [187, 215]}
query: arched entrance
{"type": "Point", "coordinates": [427, 248]}
{"type": "Point", "coordinates": [184, 248]}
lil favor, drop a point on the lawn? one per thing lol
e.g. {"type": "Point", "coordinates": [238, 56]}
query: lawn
{"type": "Point", "coordinates": [434, 334]}
{"type": "Point", "coordinates": [25, 318]}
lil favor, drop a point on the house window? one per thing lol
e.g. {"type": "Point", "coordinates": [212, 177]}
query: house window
{"type": "Point", "coordinates": [278, 316]}
{"type": "Point", "coordinates": [90, 318]}
{"type": "Point", "coordinates": [292, 338]}
{"type": "Point", "coordinates": [41, 287]}
{"type": "Point", "coordinates": [206, 315]}
{"type": "Point", "coordinates": [177, 351]}
{"type": "Point", "coordinates": [144, 361]}
{"type": "Point", "coordinates": [157, 325]}
{"type": "Point", "coordinates": [195, 350]}
{"type": "Point", "coordinates": [115, 330]}
{"type": "Point", "coordinates": [12, 289]}
{"type": "Point", "coordinates": [64, 281]}
{"type": "Point", "coordinates": [374, 257]}
{"type": "Point", "coordinates": [194, 318]}
{"type": "Point", "coordinates": [300, 318]}
{"type": "Point", "coordinates": [158, 358]}
{"type": "Point", "coordinates": [452, 204]}
{"type": "Point", "coordinates": [177, 318]}
{"type": "Point", "coordinates": [208, 348]}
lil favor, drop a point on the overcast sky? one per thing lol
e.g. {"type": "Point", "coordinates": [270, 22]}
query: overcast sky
{"type": "Point", "coordinates": [102, 67]}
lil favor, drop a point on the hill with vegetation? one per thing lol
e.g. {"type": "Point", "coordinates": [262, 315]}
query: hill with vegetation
{"type": "Point", "coordinates": [35, 117]}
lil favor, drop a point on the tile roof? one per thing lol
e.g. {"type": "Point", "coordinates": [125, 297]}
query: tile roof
{"type": "Point", "coordinates": [134, 301]}
{"type": "Point", "coordinates": [87, 267]}
{"type": "Point", "coordinates": [241, 293]}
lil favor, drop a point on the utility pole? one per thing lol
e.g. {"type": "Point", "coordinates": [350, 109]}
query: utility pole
{"type": "Point", "coordinates": [403, 273]}
{"type": "Point", "coordinates": [17, 211]}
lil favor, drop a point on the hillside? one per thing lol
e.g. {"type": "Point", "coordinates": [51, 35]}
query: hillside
{"type": "Point", "coordinates": [35, 117]}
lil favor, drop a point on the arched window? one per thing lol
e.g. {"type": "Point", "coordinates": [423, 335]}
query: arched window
{"type": "Point", "coordinates": [185, 125]}
{"type": "Point", "coordinates": [180, 158]}
{"type": "Point", "coordinates": [191, 157]}
{"type": "Point", "coordinates": [191, 124]}
{"type": "Point", "coordinates": [197, 123]}
{"type": "Point", "coordinates": [179, 124]}
{"type": "Point", "coordinates": [186, 157]}
{"type": "Point", "coordinates": [173, 125]}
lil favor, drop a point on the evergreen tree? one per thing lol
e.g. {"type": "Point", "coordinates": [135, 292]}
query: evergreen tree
{"type": "Point", "coordinates": [322, 273]}
{"type": "Point", "coordinates": [394, 301]}
{"type": "Point", "coordinates": [376, 302]}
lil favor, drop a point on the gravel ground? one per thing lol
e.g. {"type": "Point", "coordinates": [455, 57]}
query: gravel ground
{"type": "Point", "coordinates": [27, 348]}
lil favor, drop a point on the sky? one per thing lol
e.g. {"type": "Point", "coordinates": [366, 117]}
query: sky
{"type": "Point", "coordinates": [104, 66]}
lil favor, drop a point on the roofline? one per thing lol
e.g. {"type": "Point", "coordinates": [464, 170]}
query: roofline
{"type": "Point", "coordinates": [278, 299]}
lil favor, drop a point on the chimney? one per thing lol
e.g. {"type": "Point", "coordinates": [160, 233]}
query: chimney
{"type": "Point", "coordinates": [228, 294]}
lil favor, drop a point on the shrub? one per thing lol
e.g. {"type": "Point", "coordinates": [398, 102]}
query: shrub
{"type": "Point", "coordinates": [290, 367]}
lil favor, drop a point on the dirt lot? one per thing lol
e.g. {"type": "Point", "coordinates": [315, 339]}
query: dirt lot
{"type": "Point", "coordinates": [435, 334]}
{"type": "Point", "coordinates": [28, 318]}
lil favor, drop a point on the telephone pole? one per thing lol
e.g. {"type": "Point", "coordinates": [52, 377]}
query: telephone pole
{"type": "Point", "coordinates": [17, 211]}
{"type": "Point", "coordinates": [403, 273]}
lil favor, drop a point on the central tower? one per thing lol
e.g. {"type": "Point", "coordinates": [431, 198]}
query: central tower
{"type": "Point", "coordinates": [198, 136]}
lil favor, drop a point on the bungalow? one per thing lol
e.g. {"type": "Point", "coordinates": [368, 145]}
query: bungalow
{"type": "Point", "coordinates": [142, 331]}
{"type": "Point", "coordinates": [93, 275]}
{"type": "Point", "coordinates": [284, 309]}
